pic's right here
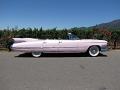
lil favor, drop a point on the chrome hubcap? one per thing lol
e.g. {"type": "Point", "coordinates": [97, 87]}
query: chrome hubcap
{"type": "Point", "coordinates": [94, 51]}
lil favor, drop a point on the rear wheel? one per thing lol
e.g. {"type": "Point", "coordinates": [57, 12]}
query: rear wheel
{"type": "Point", "coordinates": [36, 54]}
{"type": "Point", "coordinates": [94, 51]}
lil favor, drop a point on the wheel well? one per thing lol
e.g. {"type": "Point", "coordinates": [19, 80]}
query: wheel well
{"type": "Point", "coordinates": [94, 45]}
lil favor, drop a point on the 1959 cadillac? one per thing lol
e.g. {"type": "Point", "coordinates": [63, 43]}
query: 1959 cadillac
{"type": "Point", "coordinates": [71, 45]}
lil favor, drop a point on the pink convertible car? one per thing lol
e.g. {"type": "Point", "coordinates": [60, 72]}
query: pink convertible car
{"type": "Point", "coordinates": [71, 45]}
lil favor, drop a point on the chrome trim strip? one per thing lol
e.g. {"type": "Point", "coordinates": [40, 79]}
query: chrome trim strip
{"type": "Point", "coordinates": [39, 47]}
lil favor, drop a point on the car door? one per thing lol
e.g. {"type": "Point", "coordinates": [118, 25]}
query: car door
{"type": "Point", "coordinates": [68, 46]}
{"type": "Point", "coordinates": [50, 46]}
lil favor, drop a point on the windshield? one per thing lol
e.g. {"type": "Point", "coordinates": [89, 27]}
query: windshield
{"type": "Point", "coordinates": [72, 37]}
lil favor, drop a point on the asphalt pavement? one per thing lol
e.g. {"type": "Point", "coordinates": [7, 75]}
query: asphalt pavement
{"type": "Point", "coordinates": [20, 71]}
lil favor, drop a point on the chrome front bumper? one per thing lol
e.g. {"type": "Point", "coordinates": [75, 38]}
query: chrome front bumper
{"type": "Point", "coordinates": [104, 48]}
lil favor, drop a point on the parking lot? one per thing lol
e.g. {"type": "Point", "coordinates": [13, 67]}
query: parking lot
{"type": "Point", "coordinates": [19, 71]}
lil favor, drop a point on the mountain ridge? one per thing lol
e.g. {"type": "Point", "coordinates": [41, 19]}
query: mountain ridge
{"type": "Point", "coordinates": [115, 24]}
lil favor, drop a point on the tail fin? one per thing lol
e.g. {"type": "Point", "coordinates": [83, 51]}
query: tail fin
{"type": "Point", "coordinates": [19, 40]}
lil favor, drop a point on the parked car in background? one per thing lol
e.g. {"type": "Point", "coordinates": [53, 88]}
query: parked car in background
{"type": "Point", "coordinates": [70, 45]}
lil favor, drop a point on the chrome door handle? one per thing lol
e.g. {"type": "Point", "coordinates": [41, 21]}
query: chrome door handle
{"type": "Point", "coordinates": [60, 42]}
{"type": "Point", "coordinates": [44, 42]}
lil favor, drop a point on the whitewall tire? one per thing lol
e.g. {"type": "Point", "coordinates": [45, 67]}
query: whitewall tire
{"type": "Point", "coordinates": [94, 51]}
{"type": "Point", "coordinates": [36, 54]}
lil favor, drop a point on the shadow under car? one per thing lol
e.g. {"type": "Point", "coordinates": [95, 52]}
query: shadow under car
{"type": "Point", "coordinates": [60, 55]}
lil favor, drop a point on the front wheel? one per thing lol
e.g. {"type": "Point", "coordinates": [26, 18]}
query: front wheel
{"type": "Point", "coordinates": [36, 54]}
{"type": "Point", "coordinates": [94, 51]}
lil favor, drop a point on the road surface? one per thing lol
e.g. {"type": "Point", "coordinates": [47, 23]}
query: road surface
{"type": "Point", "coordinates": [19, 71]}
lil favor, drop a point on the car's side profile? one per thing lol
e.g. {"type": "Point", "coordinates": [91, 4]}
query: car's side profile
{"type": "Point", "coordinates": [72, 45]}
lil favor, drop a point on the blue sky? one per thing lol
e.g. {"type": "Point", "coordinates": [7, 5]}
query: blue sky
{"type": "Point", "coordinates": [57, 13]}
